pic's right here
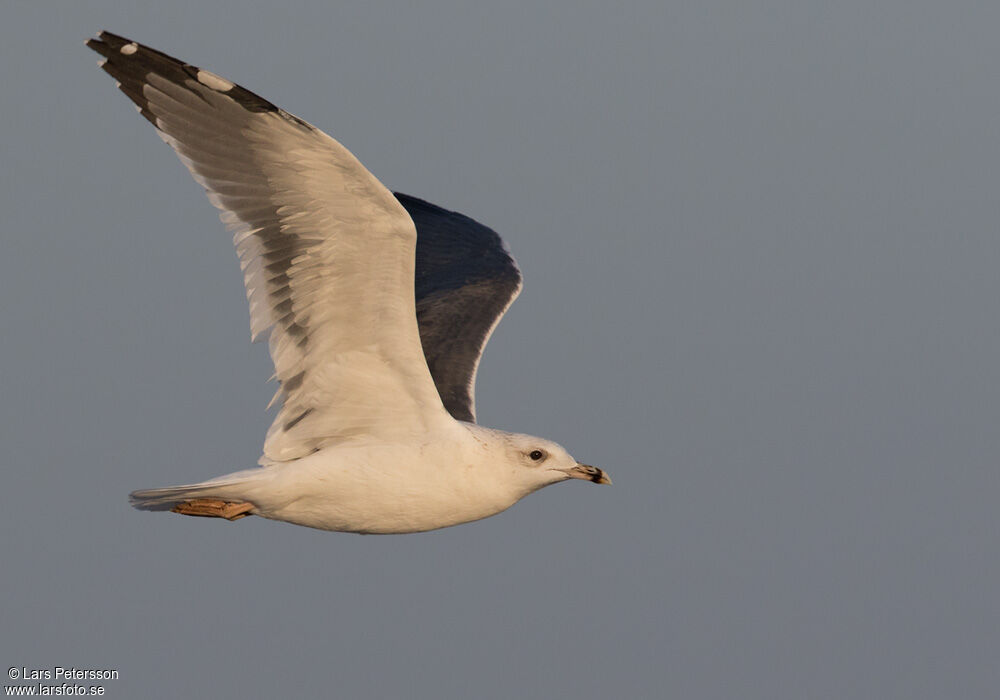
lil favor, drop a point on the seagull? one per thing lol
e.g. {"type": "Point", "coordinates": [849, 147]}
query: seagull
{"type": "Point", "coordinates": [376, 306]}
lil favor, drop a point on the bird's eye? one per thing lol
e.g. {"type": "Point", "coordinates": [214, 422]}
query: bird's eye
{"type": "Point", "coordinates": [536, 455]}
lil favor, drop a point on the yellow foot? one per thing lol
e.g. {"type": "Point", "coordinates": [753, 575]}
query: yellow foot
{"type": "Point", "coordinates": [213, 508]}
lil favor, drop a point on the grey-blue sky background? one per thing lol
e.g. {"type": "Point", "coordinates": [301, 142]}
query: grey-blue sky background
{"type": "Point", "coordinates": [761, 256]}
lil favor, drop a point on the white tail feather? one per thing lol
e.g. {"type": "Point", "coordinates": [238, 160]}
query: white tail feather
{"type": "Point", "coordinates": [166, 498]}
{"type": "Point", "coordinates": [228, 487]}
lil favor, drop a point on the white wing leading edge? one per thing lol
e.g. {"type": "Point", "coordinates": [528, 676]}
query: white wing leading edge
{"type": "Point", "coordinates": [327, 252]}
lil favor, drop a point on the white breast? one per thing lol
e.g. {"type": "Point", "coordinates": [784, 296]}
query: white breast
{"type": "Point", "coordinates": [385, 489]}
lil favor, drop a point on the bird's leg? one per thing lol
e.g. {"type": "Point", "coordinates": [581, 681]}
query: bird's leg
{"type": "Point", "coordinates": [213, 508]}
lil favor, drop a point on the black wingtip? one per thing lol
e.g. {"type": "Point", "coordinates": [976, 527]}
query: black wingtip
{"type": "Point", "coordinates": [107, 42]}
{"type": "Point", "coordinates": [129, 62]}
{"type": "Point", "coordinates": [98, 46]}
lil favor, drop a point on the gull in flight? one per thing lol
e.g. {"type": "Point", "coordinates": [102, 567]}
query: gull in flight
{"type": "Point", "coordinates": [377, 307]}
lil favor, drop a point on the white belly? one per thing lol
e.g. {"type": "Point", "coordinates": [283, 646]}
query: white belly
{"type": "Point", "coordinates": [384, 490]}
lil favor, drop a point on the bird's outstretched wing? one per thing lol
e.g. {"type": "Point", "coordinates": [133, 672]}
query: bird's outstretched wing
{"type": "Point", "coordinates": [327, 252]}
{"type": "Point", "coordinates": [465, 281]}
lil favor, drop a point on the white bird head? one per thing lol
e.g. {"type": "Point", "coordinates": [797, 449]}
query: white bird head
{"type": "Point", "coordinates": [542, 462]}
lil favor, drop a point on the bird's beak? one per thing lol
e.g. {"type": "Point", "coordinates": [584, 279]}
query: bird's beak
{"type": "Point", "coordinates": [589, 473]}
